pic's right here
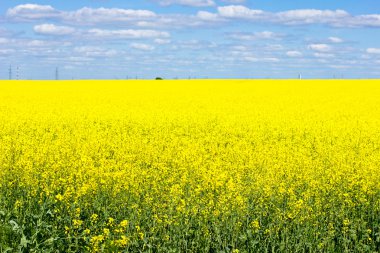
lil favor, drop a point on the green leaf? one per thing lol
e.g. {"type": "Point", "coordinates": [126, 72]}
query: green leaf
{"type": "Point", "coordinates": [8, 250]}
{"type": "Point", "coordinates": [14, 225]}
{"type": "Point", "coordinates": [24, 242]}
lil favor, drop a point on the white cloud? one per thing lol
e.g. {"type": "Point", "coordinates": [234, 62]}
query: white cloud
{"type": "Point", "coordinates": [86, 15]}
{"type": "Point", "coordinates": [79, 59]}
{"type": "Point", "coordinates": [320, 47]}
{"type": "Point", "coordinates": [239, 11]}
{"type": "Point", "coordinates": [293, 53]}
{"type": "Point", "coordinates": [195, 3]}
{"type": "Point", "coordinates": [162, 41]}
{"type": "Point", "coordinates": [90, 51]}
{"type": "Point", "coordinates": [266, 35]}
{"type": "Point", "coordinates": [128, 34]}
{"type": "Point", "coordinates": [208, 16]}
{"type": "Point", "coordinates": [4, 41]}
{"type": "Point", "coordinates": [194, 45]}
{"type": "Point", "coordinates": [146, 18]}
{"type": "Point", "coordinates": [274, 47]}
{"type": "Point", "coordinates": [256, 35]}
{"type": "Point", "coordinates": [339, 66]}
{"type": "Point", "coordinates": [335, 40]}
{"type": "Point", "coordinates": [310, 16]}
{"type": "Point", "coordinates": [370, 20]}
{"type": "Point", "coordinates": [336, 18]}
{"type": "Point", "coordinates": [107, 15]}
{"type": "Point", "coordinates": [6, 51]}
{"type": "Point", "coordinates": [32, 12]}
{"type": "Point", "coordinates": [240, 48]}
{"type": "Point", "coordinates": [141, 46]}
{"type": "Point", "coordinates": [373, 50]}
{"type": "Point", "coordinates": [264, 59]}
{"type": "Point", "coordinates": [234, 1]}
{"type": "Point", "coordinates": [324, 55]}
{"type": "Point", "coordinates": [37, 43]}
{"type": "Point", "coordinates": [291, 17]}
{"type": "Point", "coordinates": [51, 29]}
{"type": "Point", "coordinates": [115, 16]}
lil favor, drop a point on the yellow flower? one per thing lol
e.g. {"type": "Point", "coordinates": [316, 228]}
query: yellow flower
{"type": "Point", "coordinates": [122, 242]}
{"type": "Point", "coordinates": [124, 223]}
{"type": "Point", "coordinates": [77, 223]}
{"type": "Point", "coordinates": [255, 225]}
{"type": "Point", "coordinates": [59, 197]}
{"type": "Point", "coordinates": [97, 239]}
{"type": "Point", "coordinates": [94, 218]}
{"type": "Point", "coordinates": [106, 232]}
{"type": "Point", "coordinates": [110, 222]}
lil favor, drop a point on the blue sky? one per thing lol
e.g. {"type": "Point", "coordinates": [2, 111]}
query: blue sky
{"type": "Point", "coordinates": [110, 39]}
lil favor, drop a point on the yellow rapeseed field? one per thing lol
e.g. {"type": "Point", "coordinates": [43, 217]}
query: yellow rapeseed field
{"type": "Point", "coordinates": [190, 166]}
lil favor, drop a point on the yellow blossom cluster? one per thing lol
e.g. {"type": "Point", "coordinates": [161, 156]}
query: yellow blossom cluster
{"type": "Point", "coordinates": [190, 166]}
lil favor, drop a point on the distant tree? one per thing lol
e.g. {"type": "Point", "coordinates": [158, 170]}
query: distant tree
{"type": "Point", "coordinates": [159, 78]}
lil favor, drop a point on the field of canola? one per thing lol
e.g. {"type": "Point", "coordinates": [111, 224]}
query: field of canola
{"type": "Point", "coordinates": [190, 166]}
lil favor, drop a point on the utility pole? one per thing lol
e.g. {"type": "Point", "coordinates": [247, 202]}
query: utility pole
{"type": "Point", "coordinates": [10, 72]}
{"type": "Point", "coordinates": [299, 76]}
{"type": "Point", "coordinates": [56, 74]}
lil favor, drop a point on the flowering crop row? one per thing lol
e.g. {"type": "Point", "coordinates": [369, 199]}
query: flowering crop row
{"type": "Point", "coordinates": [190, 166]}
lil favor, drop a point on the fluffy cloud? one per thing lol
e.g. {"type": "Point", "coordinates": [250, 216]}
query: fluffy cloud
{"type": "Point", "coordinates": [320, 47]}
{"type": "Point", "coordinates": [208, 16]}
{"type": "Point", "coordinates": [323, 55]}
{"type": "Point", "coordinates": [90, 51]}
{"type": "Point", "coordinates": [38, 43]}
{"type": "Point", "coordinates": [194, 45]}
{"type": "Point", "coordinates": [291, 17]}
{"type": "Point", "coordinates": [6, 52]}
{"type": "Point", "coordinates": [110, 16]}
{"type": "Point", "coordinates": [309, 16]}
{"type": "Point", "coordinates": [234, 1]}
{"type": "Point", "coordinates": [4, 40]}
{"type": "Point", "coordinates": [370, 20]}
{"type": "Point", "coordinates": [127, 34]}
{"type": "Point", "coordinates": [141, 46]}
{"type": "Point", "coordinates": [256, 35]}
{"type": "Point", "coordinates": [195, 3]}
{"type": "Point", "coordinates": [25, 12]}
{"type": "Point", "coordinates": [263, 59]}
{"type": "Point", "coordinates": [293, 53]}
{"type": "Point", "coordinates": [335, 40]}
{"type": "Point", "coordinates": [162, 41]}
{"type": "Point", "coordinates": [336, 18]}
{"type": "Point", "coordinates": [147, 18]}
{"type": "Point", "coordinates": [86, 15]}
{"type": "Point", "coordinates": [51, 29]}
{"type": "Point", "coordinates": [106, 15]}
{"type": "Point", "coordinates": [373, 50]}
{"type": "Point", "coordinates": [239, 11]}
